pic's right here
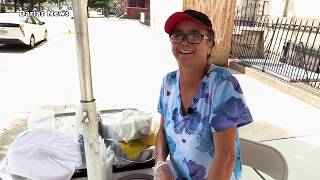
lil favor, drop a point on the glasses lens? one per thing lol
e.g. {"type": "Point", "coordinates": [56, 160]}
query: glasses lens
{"type": "Point", "coordinates": [194, 38]}
{"type": "Point", "coordinates": [176, 38]}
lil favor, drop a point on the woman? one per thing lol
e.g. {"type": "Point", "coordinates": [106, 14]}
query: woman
{"type": "Point", "coordinates": [201, 107]}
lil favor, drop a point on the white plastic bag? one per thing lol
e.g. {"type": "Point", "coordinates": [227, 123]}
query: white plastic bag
{"type": "Point", "coordinates": [107, 160]}
{"type": "Point", "coordinates": [41, 118]}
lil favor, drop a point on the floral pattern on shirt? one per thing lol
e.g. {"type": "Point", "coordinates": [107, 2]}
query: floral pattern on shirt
{"type": "Point", "coordinates": [218, 104]}
{"type": "Point", "coordinates": [196, 171]}
{"type": "Point", "coordinates": [189, 124]}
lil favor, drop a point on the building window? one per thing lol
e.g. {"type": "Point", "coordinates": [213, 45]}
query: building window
{"type": "Point", "coordinates": [136, 3]}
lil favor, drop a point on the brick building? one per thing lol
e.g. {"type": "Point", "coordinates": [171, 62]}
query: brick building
{"type": "Point", "coordinates": [132, 8]}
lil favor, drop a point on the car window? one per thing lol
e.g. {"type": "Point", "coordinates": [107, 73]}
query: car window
{"type": "Point", "coordinates": [36, 20]}
{"type": "Point", "coordinates": [30, 20]}
{"type": "Point", "coordinates": [25, 20]}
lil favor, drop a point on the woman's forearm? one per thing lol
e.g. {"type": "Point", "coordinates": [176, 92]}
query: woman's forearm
{"type": "Point", "coordinates": [161, 146]}
{"type": "Point", "coordinates": [222, 167]}
{"type": "Point", "coordinates": [161, 169]}
{"type": "Point", "coordinates": [161, 143]}
{"type": "Point", "coordinates": [225, 154]}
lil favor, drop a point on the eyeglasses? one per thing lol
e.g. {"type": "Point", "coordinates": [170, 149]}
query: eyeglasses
{"type": "Point", "coordinates": [191, 38]}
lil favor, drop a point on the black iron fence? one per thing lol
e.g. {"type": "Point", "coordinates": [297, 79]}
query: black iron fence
{"type": "Point", "coordinates": [288, 48]}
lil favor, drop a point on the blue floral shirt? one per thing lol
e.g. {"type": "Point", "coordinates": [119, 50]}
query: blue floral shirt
{"type": "Point", "coordinates": [219, 104]}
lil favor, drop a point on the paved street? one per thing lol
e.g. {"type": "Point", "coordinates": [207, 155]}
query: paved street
{"type": "Point", "coordinates": [127, 71]}
{"type": "Point", "coordinates": [38, 77]}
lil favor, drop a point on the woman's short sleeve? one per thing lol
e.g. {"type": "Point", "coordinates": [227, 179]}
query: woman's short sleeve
{"type": "Point", "coordinates": [160, 103]}
{"type": "Point", "coordinates": [229, 108]}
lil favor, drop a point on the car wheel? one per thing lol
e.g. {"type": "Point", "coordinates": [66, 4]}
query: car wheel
{"type": "Point", "coordinates": [32, 42]}
{"type": "Point", "coordinates": [45, 36]}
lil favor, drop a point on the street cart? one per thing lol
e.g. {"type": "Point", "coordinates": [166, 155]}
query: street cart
{"type": "Point", "coordinates": [88, 113]}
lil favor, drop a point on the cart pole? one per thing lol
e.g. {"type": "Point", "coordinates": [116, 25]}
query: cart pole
{"type": "Point", "coordinates": [88, 106]}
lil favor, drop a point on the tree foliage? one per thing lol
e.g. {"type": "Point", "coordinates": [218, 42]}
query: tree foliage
{"type": "Point", "coordinates": [57, 1]}
{"type": "Point", "coordinates": [34, 2]}
{"type": "Point", "coordinates": [102, 3]}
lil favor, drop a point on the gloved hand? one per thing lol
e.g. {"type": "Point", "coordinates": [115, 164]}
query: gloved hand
{"type": "Point", "coordinates": [162, 171]}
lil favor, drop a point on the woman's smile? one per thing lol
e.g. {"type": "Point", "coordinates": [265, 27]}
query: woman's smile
{"type": "Point", "coordinates": [185, 51]}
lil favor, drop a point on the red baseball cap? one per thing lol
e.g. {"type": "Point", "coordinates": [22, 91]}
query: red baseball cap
{"type": "Point", "coordinates": [195, 16]}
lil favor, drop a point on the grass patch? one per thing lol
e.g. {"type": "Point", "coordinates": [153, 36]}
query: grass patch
{"type": "Point", "coordinates": [67, 33]}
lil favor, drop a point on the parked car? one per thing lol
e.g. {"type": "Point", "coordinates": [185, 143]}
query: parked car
{"type": "Point", "coordinates": [27, 30]}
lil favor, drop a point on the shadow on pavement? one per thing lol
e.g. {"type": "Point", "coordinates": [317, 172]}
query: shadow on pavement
{"type": "Point", "coordinates": [6, 48]}
{"type": "Point", "coordinates": [16, 48]}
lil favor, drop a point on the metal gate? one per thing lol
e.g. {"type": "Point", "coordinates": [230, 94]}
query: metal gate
{"type": "Point", "coordinates": [288, 48]}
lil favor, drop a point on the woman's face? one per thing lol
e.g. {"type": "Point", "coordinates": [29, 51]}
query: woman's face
{"type": "Point", "coordinates": [189, 54]}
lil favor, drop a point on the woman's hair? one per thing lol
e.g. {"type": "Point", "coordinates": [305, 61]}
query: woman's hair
{"type": "Point", "coordinates": [210, 35]}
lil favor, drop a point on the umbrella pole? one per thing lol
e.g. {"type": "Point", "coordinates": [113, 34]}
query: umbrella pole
{"type": "Point", "coordinates": [88, 106]}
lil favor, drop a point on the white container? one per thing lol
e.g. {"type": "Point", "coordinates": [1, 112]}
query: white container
{"type": "Point", "coordinates": [41, 118]}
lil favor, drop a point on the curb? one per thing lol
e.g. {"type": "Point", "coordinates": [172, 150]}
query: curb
{"type": "Point", "coordinates": [294, 90]}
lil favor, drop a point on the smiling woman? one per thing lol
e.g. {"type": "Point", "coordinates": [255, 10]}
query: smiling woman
{"type": "Point", "coordinates": [201, 107]}
{"type": "Point", "coordinates": [26, 30]}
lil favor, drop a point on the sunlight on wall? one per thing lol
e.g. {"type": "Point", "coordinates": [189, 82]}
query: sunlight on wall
{"type": "Point", "coordinates": [298, 8]}
{"type": "Point", "coordinates": [307, 8]}
{"type": "Point", "coordinates": [277, 7]}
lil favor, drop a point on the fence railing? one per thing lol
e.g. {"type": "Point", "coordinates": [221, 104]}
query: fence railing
{"type": "Point", "coordinates": [288, 48]}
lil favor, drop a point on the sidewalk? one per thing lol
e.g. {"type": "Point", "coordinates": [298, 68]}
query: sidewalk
{"type": "Point", "coordinates": [284, 122]}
